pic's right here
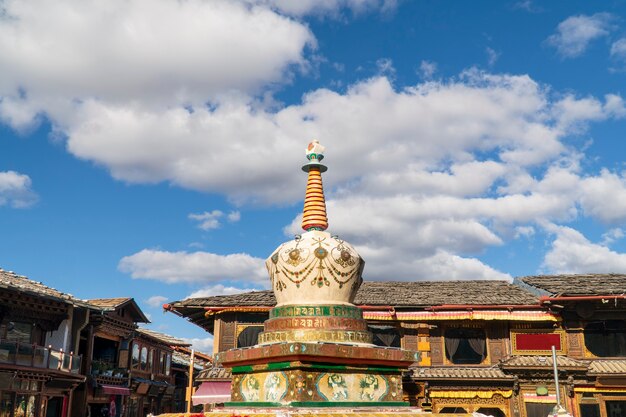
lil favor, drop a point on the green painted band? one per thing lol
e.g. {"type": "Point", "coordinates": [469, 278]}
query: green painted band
{"type": "Point", "coordinates": [313, 367]}
{"type": "Point", "coordinates": [317, 311]}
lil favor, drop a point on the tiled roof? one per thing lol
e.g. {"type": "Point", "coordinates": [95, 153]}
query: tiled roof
{"type": "Point", "coordinates": [112, 304]}
{"type": "Point", "coordinates": [562, 362]}
{"type": "Point", "coordinates": [578, 285]}
{"type": "Point", "coordinates": [183, 359]}
{"type": "Point", "coordinates": [607, 367]}
{"type": "Point", "coordinates": [455, 372]}
{"type": "Point", "coordinates": [164, 338]}
{"type": "Point", "coordinates": [109, 303]}
{"type": "Point", "coordinates": [214, 373]}
{"type": "Point", "coordinates": [409, 294]}
{"type": "Point", "coordinates": [11, 280]}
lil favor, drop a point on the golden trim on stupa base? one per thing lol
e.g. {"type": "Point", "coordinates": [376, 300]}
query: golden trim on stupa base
{"type": "Point", "coordinates": [314, 335]}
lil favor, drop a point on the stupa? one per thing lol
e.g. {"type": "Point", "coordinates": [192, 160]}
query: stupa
{"type": "Point", "coordinates": [316, 351]}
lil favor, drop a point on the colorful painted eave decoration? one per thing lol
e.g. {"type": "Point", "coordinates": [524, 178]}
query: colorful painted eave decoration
{"type": "Point", "coordinates": [505, 315]}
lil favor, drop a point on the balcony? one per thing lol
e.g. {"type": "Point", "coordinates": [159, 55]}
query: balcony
{"type": "Point", "coordinates": [105, 372]}
{"type": "Point", "coordinates": [34, 356]}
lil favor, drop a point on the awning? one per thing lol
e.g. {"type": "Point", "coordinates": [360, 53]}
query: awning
{"type": "Point", "coordinates": [212, 392]}
{"type": "Point", "coordinates": [115, 390]}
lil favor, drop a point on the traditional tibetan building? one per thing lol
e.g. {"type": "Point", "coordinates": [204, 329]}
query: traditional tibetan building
{"type": "Point", "coordinates": [485, 345]}
{"type": "Point", "coordinates": [39, 340]}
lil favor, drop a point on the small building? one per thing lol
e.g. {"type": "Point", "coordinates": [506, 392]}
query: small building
{"type": "Point", "coordinates": [105, 344]}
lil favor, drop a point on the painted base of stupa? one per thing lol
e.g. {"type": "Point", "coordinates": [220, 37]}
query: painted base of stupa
{"type": "Point", "coordinates": [298, 374]}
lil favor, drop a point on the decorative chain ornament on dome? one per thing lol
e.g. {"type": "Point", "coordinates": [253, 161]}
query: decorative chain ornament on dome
{"type": "Point", "coordinates": [320, 260]}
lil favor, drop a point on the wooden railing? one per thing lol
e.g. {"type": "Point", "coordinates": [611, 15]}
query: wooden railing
{"type": "Point", "coordinates": [35, 356]}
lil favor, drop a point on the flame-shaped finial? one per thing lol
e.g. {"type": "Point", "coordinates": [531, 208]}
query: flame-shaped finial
{"type": "Point", "coordinates": [314, 213]}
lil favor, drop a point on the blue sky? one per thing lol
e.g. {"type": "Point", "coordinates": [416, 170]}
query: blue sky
{"type": "Point", "coordinates": [153, 148]}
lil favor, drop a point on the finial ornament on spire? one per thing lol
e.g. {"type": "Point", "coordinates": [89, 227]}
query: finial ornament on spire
{"type": "Point", "coordinates": [314, 212]}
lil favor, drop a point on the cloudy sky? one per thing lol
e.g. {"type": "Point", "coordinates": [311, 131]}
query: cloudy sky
{"type": "Point", "coordinates": [152, 148]}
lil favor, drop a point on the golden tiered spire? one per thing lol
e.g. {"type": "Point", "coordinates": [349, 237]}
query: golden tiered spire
{"type": "Point", "coordinates": [314, 212]}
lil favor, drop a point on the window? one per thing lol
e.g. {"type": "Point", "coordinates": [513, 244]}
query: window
{"type": "Point", "coordinates": [465, 346]}
{"type": "Point", "coordinates": [168, 364]}
{"type": "Point", "coordinates": [606, 338]}
{"type": "Point", "coordinates": [135, 356]}
{"type": "Point", "coordinates": [453, 410]}
{"type": "Point", "coordinates": [249, 336]}
{"type": "Point", "coordinates": [162, 363]}
{"type": "Point", "coordinates": [385, 336]}
{"type": "Point", "coordinates": [19, 332]}
{"type": "Point", "coordinates": [615, 408]}
{"type": "Point", "coordinates": [590, 410]}
{"type": "Point", "coordinates": [150, 359]}
{"type": "Point", "coordinates": [538, 409]}
{"type": "Point", "coordinates": [493, 411]}
{"type": "Point", "coordinates": [144, 358]}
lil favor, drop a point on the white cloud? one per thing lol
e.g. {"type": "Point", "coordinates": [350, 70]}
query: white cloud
{"type": "Point", "coordinates": [125, 49]}
{"type": "Point", "coordinates": [438, 172]}
{"type": "Point", "coordinates": [194, 267]}
{"type": "Point", "coordinates": [604, 196]}
{"type": "Point", "coordinates": [611, 236]}
{"type": "Point", "coordinates": [528, 6]}
{"type": "Point", "coordinates": [201, 345]}
{"type": "Point", "coordinates": [218, 289]}
{"type": "Point", "coordinates": [618, 49]}
{"type": "Point", "coordinates": [327, 7]}
{"type": "Point", "coordinates": [234, 216]}
{"type": "Point", "coordinates": [492, 56]}
{"type": "Point", "coordinates": [385, 67]}
{"type": "Point", "coordinates": [574, 34]}
{"type": "Point", "coordinates": [207, 220]}
{"type": "Point", "coordinates": [427, 69]}
{"type": "Point", "coordinates": [524, 231]}
{"type": "Point", "coordinates": [15, 190]}
{"type": "Point", "coordinates": [571, 252]}
{"type": "Point", "coordinates": [156, 301]}
{"type": "Point", "coordinates": [420, 127]}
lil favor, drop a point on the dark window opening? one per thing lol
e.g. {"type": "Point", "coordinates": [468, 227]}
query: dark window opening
{"type": "Point", "coordinates": [19, 332]}
{"type": "Point", "coordinates": [492, 411]}
{"type": "Point", "coordinates": [615, 408]}
{"type": "Point", "coordinates": [465, 346]}
{"type": "Point", "coordinates": [135, 356]}
{"type": "Point", "coordinates": [606, 338]}
{"type": "Point", "coordinates": [538, 409]}
{"type": "Point", "coordinates": [385, 336]}
{"type": "Point", "coordinates": [104, 354]}
{"type": "Point", "coordinates": [452, 410]}
{"type": "Point", "coordinates": [590, 410]}
{"type": "Point", "coordinates": [249, 336]}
